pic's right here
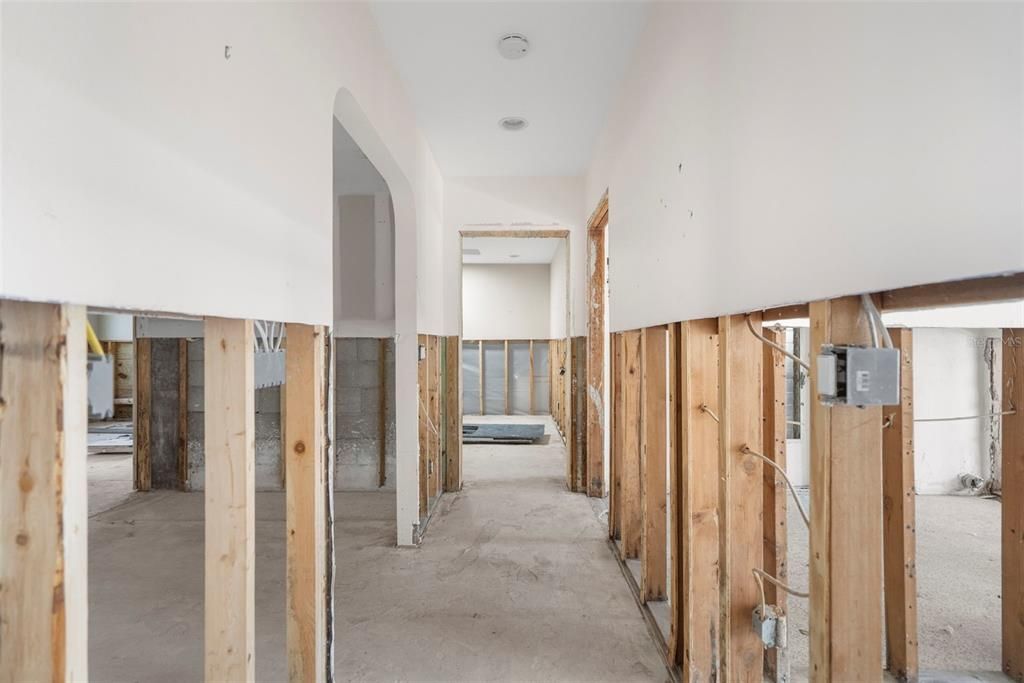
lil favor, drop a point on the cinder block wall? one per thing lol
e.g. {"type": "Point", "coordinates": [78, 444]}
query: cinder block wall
{"type": "Point", "coordinates": [268, 428]}
{"type": "Point", "coordinates": [358, 428]}
{"type": "Point", "coordinates": [357, 404]}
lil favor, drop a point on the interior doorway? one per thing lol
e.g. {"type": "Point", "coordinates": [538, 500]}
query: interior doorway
{"type": "Point", "coordinates": [597, 350]}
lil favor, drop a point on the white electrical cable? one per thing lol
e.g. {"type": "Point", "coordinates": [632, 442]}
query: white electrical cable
{"type": "Point", "coordinates": [781, 349]}
{"type": "Point", "coordinates": [760, 575]}
{"type": "Point", "coordinates": [703, 407]}
{"type": "Point", "coordinates": [427, 416]}
{"type": "Point", "coordinates": [878, 328]}
{"type": "Point", "coordinates": [965, 417]}
{"type": "Point", "coordinates": [747, 450]}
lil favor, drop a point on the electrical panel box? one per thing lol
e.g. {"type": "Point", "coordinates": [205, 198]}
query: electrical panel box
{"type": "Point", "coordinates": [858, 376]}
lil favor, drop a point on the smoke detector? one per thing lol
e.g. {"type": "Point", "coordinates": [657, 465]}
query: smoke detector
{"type": "Point", "coordinates": [513, 46]}
{"type": "Point", "coordinates": [513, 123]}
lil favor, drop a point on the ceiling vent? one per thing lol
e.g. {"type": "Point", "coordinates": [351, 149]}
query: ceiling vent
{"type": "Point", "coordinates": [513, 46]}
{"type": "Point", "coordinates": [513, 123]}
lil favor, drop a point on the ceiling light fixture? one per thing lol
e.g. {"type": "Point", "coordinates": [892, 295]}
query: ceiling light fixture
{"type": "Point", "coordinates": [513, 123]}
{"type": "Point", "coordinates": [513, 46]}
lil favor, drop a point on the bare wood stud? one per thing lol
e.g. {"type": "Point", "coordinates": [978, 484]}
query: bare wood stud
{"type": "Point", "coordinates": [899, 527]}
{"type": "Point", "coordinates": [631, 395]}
{"type": "Point", "coordinates": [1013, 504]}
{"type": "Point", "coordinates": [141, 403]}
{"type": "Point", "coordinates": [306, 596]}
{"type": "Point", "coordinates": [653, 570]}
{"type": "Point", "coordinates": [230, 497]}
{"type": "Point", "coordinates": [776, 661]}
{"type": "Point", "coordinates": [43, 493]}
{"type": "Point", "coordinates": [846, 517]}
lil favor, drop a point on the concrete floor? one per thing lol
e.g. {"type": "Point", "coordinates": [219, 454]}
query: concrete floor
{"type": "Point", "coordinates": [958, 583]}
{"type": "Point", "coordinates": [514, 581]}
{"type": "Point", "coordinates": [111, 480]}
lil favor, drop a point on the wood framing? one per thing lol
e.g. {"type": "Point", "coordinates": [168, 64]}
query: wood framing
{"type": "Point", "coordinates": [1013, 504]}
{"type": "Point", "coordinates": [43, 493]}
{"type": "Point", "coordinates": [899, 526]}
{"type": "Point", "coordinates": [142, 402]}
{"type": "Point", "coordinates": [422, 370]}
{"type": "Point", "coordinates": [307, 594]}
{"type": "Point", "coordinates": [615, 469]}
{"type": "Point", "coordinates": [846, 517]}
{"type": "Point", "coordinates": [508, 404]}
{"type": "Point", "coordinates": [480, 351]}
{"type": "Point", "coordinates": [576, 434]}
{"type": "Point", "coordinates": [631, 519]}
{"type": "Point", "coordinates": [773, 367]}
{"type": "Point", "coordinates": [230, 496]}
{"type": "Point", "coordinates": [596, 341]}
{"type": "Point", "coordinates": [741, 486]}
{"type": "Point", "coordinates": [695, 616]}
{"type": "Point", "coordinates": [654, 445]}
{"type": "Point", "coordinates": [453, 415]}
{"type": "Point", "coordinates": [434, 408]}
{"type": "Point", "coordinates": [531, 409]}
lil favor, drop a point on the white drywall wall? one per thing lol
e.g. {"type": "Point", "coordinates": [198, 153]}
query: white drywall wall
{"type": "Point", "coordinates": [514, 203]}
{"type": "Point", "coordinates": [559, 282]}
{"type": "Point", "coordinates": [355, 296]}
{"type": "Point", "coordinates": [502, 301]}
{"type": "Point", "coordinates": [876, 145]}
{"type": "Point", "coordinates": [129, 136]}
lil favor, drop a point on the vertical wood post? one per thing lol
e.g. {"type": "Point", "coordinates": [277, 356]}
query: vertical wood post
{"type": "Point", "coordinates": [846, 516]}
{"type": "Point", "coordinates": [631, 395]}
{"type": "Point", "coordinates": [578, 430]}
{"type": "Point", "coordinates": [183, 414]}
{"type": "Point", "coordinates": [382, 413]}
{"type": "Point", "coordinates": [480, 357]}
{"type": "Point", "coordinates": [531, 410]}
{"type": "Point", "coordinates": [615, 493]}
{"type": "Point", "coordinates": [1013, 504]}
{"type": "Point", "coordinates": [422, 373]}
{"type": "Point", "coordinates": [453, 414]}
{"type": "Point", "coordinates": [508, 408]}
{"type": "Point", "coordinates": [899, 530]}
{"type": "Point", "coordinates": [306, 595]}
{"type": "Point", "coordinates": [230, 493]}
{"type": "Point", "coordinates": [43, 493]}
{"type": "Point", "coordinates": [596, 334]}
{"type": "Point", "coordinates": [695, 614]}
{"type": "Point", "coordinates": [773, 365]}
{"type": "Point", "coordinates": [653, 561]}
{"type": "Point", "coordinates": [141, 405]}
{"type": "Point", "coordinates": [434, 409]}
{"type": "Point", "coordinates": [741, 503]}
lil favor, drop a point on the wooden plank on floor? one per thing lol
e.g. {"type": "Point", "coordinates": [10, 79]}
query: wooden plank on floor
{"type": "Point", "coordinates": [1013, 504]}
{"type": "Point", "coordinates": [43, 493]}
{"type": "Point", "coordinates": [696, 617]}
{"type": "Point", "coordinates": [773, 366]}
{"type": "Point", "coordinates": [631, 395]}
{"type": "Point", "coordinates": [846, 517]}
{"type": "Point", "coordinates": [141, 403]}
{"type": "Point", "coordinates": [741, 488]}
{"type": "Point", "coordinates": [306, 594]}
{"type": "Point", "coordinates": [654, 446]}
{"type": "Point", "coordinates": [229, 431]}
{"type": "Point", "coordinates": [899, 525]}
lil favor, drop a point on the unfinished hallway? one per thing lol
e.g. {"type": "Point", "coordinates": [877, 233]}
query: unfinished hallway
{"type": "Point", "coordinates": [512, 564]}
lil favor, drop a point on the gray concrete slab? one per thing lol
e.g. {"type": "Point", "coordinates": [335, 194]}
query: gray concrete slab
{"type": "Point", "coordinates": [514, 581]}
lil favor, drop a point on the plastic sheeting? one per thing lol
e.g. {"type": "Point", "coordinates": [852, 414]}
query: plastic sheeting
{"type": "Point", "coordinates": [470, 378]}
{"type": "Point", "coordinates": [494, 381]}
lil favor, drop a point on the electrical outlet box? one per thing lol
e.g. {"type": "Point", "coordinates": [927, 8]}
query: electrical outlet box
{"type": "Point", "coordinates": [858, 376]}
{"type": "Point", "coordinates": [770, 626]}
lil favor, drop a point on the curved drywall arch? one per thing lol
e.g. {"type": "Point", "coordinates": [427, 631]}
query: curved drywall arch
{"type": "Point", "coordinates": [358, 125]}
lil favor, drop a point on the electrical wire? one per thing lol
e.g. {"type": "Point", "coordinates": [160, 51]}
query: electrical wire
{"type": "Point", "coordinates": [747, 450]}
{"type": "Point", "coordinates": [427, 416]}
{"type": "Point", "coordinates": [878, 329]}
{"type": "Point", "coordinates": [760, 575]}
{"type": "Point", "coordinates": [965, 417]}
{"type": "Point", "coordinates": [777, 347]}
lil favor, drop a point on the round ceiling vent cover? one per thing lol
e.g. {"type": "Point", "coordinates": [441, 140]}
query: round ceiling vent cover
{"type": "Point", "coordinates": [513, 46]}
{"type": "Point", "coordinates": [513, 123]}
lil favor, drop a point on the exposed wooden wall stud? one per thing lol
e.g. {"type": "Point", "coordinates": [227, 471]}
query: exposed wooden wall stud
{"type": "Point", "coordinates": [773, 365]}
{"type": "Point", "coordinates": [654, 445]}
{"type": "Point", "coordinates": [1013, 504]}
{"type": "Point", "coordinates": [631, 394]}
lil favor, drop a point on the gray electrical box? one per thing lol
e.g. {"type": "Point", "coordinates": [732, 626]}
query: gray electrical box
{"type": "Point", "coordinates": [770, 626]}
{"type": "Point", "coordinates": [858, 376]}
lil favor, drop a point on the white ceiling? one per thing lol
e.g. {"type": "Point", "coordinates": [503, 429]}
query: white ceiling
{"type": "Point", "coordinates": [447, 56]}
{"type": "Point", "coordinates": [500, 249]}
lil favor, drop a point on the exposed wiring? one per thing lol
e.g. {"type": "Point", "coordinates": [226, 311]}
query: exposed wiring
{"type": "Point", "coordinates": [427, 416]}
{"type": "Point", "coordinates": [760, 576]}
{"type": "Point", "coordinates": [878, 329]}
{"type": "Point", "coordinates": [703, 407]}
{"type": "Point", "coordinates": [964, 417]}
{"type": "Point", "coordinates": [747, 450]}
{"type": "Point", "coordinates": [777, 347]}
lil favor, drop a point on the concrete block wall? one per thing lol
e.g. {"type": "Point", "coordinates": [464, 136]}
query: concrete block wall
{"type": "Point", "coordinates": [268, 428]}
{"type": "Point", "coordinates": [357, 408]}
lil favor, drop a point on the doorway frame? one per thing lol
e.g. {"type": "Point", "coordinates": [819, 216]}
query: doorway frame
{"type": "Point", "coordinates": [597, 346]}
